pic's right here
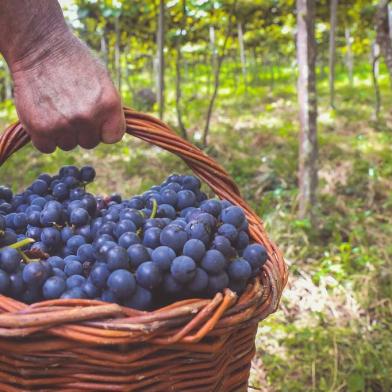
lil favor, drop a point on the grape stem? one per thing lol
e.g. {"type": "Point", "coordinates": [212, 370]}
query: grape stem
{"type": "Point", "coordinates": [20, 244]}
{"type": "Point", "coordinates": [26, 258]}
{"type": "Point", "coordinates": [154, 208]}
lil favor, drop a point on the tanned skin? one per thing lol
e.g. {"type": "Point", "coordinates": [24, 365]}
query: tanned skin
{"type": "Point", "coordinates": [63, 95]}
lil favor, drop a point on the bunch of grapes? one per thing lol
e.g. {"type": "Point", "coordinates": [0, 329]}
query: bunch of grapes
{"type": "Point", "coordinates": [59, 241]}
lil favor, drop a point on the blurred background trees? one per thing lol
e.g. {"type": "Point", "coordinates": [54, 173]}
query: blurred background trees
{"type": "Point", "coordinates": [294, 98]}
{"type": "Point", "coordinates": [147, 45]}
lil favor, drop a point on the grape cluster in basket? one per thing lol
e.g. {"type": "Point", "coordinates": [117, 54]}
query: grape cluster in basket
{"type": "Point", "coordinates": [59, 241]}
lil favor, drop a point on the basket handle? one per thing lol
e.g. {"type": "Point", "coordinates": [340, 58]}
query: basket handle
{"type": "Point", "coordinates": [154, 131]}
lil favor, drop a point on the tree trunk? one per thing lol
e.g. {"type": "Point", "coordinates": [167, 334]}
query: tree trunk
{"type": "Point", "coordinates": [179, 95]}
{"type": "Point", "coordinates": [7, 85]}
{"type": "Point", "coordinates": [126, 71]}
{"type": "Point", "coordinates": [220, 59]}
{"type": "Point", "coordinates": [390, 20]}
{"type": "Point", "coordinates": [349, 56]}
{"type": "Point", "coordinates": [213, 57]}
{"type": "Point", "coordinates": [154, 74]}
{"type": "Point", "coordinates": [212, 100]}
{"type": "Point", "coordinates": [117, 53]}
{"type": "Point", "coordinates": [212, 47]}
{"type": "Point", "coordinates": [160, 56]}
{"type": "Point", "coordinates": [332, 52]}
{"type": "Point", "coordinates": [308, 151]}
{"type": "Point", "coordinates": [375, 54]}
{"type": "Point", "coordinates": [383, 34]}
{"type": "Point", "coordinates": [242, 51]}
{"type": "Point", "coordinates": [377, 99]}
{"type": "Point", "coordinates": [178, 74]}
{"type": "Point", "coordinates": [375, 62]}
{"type": "Point", "coordinates": [104, 50]}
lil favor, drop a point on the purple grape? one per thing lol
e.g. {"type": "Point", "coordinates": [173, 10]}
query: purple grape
{"type": "Point", "coordinates": [163, 257]}
{"type": "Point", "coordinates": [148, 275]}
{"type": "Point", "coordinates": [185, 198]}
{"type": "Point", "coordinates": [229, 231]}
{"type": "Point", "coordinates": [79, 217]}
{"type": "Point", "coordinates": [213, 262]}
{"type": "Point", "coordinates": [217, 282]}
{"type": "Point", "coordinates": [183, 269]}
{"type": "Point", "coordinates": [191, 182]}
{"type": "Point", "coordinates": [75, 293]}
{"type": "Point", "coordinates": [75, 281]}
{"type": "Point", "coordinates": [137, 254]}
{"type": "Point", "coordinates": [4, 282]}
{"type": "Point", "coordinates": [122, 283]}
{"type": "Point", "coordinates": [9, 259]}
{"type": "Point", "coordinates": [73, 267]}
{"type": "Point", "coordinates": [141, 299]}
{"type": "Point", "coordinates": [50, 237]}
{"type": "Point", "coordinates": [117, 258]}
{"type": "Point", "coordinates": [199, 231]}
{"type": "Point", "coordinates": [195, 249]}
{"type": "Point", "coordinates": [171, 286]}
{"type": "Point", "coordinates": [87, 174]}
{"type": "Point", "coordinates": [199, 283]}
{"type": "Point", "coordinates": [256, 255]}
{"type": "Point", "coordinates": [34, 274]}
{"type": "Point", "coordinates": [212, 206]}
{"type": "Point", "coordinates": [233, 215]}
{"type": "Point", "coordinates": [53, 287]}
{"type": "Point", "coordinates": [151, 238]}
{"type": "Point", "coordinates": [239, 269]}
{"type": "Point", "coordinates": [128, 239]}
{"type": "Point", "coordinates": [99, 275]}
{"type": "Point", "coordinates": [174, 237]}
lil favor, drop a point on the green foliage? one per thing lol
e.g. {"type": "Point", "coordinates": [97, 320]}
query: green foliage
{"type": "Point", "coordinates": [345, 263]}
{"type": "Point", "coordinates": [332, 332]}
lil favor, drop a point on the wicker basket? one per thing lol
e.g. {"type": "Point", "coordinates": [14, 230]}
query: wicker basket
{"type": "Point", "coordinates": [192, 345]}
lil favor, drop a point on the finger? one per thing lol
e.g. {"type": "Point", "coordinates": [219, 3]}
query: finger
{"type": "Point", "coordinates": [67, 140]}
{"type": "Point", "coordinates": [86, 132]}
{"type": "Point", "coordinates": [88, 137]}
{"type": "Point", "coordinates": [43, 144]}
{"type": "Point", "coordinates": [113, 128]}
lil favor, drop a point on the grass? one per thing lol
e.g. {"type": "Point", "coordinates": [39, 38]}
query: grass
{"type": "Point", "coordinates": [333, 330]}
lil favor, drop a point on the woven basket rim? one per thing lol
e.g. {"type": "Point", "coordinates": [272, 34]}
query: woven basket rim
{"type": "Point", "coordinates": [181, 323]}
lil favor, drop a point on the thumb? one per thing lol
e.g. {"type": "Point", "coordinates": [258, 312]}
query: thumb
{"type": "Point", "coordinates": [113, 127]}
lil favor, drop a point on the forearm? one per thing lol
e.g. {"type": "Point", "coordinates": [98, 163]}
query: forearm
{"type": "Point", "coordinates": [29, 29]}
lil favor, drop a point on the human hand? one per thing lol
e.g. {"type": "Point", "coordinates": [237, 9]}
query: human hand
{"type": "Point", "coordinates": [64, 97]}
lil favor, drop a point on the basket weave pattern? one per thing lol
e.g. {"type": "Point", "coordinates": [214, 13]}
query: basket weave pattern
{"type": "Point", "coordinates": [201, 345]}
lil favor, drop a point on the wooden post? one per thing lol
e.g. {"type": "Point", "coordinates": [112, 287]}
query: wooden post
{"type": "Point", "coordinates": [161, 62]}
{"type": "Point", "coordinates": [332, 52]}
{"type": "Point", "coordinates": [308, 151]}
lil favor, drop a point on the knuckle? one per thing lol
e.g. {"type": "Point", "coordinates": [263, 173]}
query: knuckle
{"type": "Point", "coordinates": [83, 116]}
{"type": "Point", "coordinates": [35, 127]}
{"type": "Point", "coordinates": [45, 130]}
{"type": "Point", "coordinates": [111, 102]}
{"type": "Point", "coordinates": [50, 129]}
